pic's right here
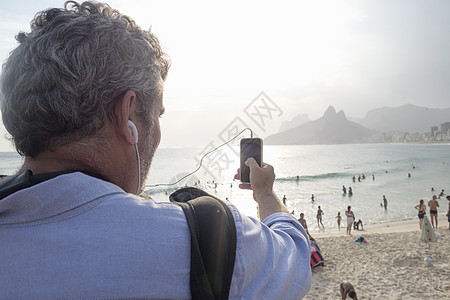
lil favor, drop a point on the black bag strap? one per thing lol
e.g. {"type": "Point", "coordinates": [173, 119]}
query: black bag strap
{"type": "Point", "coordinates": [213, 242]}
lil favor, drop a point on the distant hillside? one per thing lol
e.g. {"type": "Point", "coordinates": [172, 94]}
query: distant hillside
{"type": "Point", "coordinates": [298, 120]}
{"type": "Point", "coordinates": [331, 128]}
{"type": "Point", "coordinates": [407, 118]}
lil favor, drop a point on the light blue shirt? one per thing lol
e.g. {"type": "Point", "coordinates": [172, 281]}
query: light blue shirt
{"type": "Point", "coordinates": [76, 236]}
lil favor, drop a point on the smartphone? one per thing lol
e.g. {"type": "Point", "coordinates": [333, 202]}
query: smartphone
{"type": "Point", "coordinates": [251, 147]}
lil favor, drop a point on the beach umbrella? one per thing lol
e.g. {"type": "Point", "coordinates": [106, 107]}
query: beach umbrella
{"type": "Point", "coordinates": [428, 235]}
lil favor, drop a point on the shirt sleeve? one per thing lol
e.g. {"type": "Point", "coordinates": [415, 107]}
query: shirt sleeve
{"type": "Point", "coordinates": [272, 258]}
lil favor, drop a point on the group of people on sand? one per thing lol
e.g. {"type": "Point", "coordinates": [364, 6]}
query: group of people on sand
{"type": "Point", "coordinates": [433, 204]}
{"type": "Point", "coordinates": [351, 220]}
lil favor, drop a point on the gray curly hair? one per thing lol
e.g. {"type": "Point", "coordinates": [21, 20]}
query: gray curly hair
{"type": "Point", "coordinates": [64, 79]}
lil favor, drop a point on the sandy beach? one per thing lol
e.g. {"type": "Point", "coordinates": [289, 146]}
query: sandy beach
{"type": "Point", "coordinates": [390, 266]}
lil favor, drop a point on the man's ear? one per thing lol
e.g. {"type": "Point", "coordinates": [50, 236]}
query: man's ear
{"type": "Point", "coordinates": [125, 111]}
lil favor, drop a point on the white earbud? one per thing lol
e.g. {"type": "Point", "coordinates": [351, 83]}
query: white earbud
{"type": "Point", "coordinates": [134, 131]}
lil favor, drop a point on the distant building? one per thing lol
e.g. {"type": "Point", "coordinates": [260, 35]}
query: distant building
{"type": "Point", "coordinates": [445, 128]}
{"type": "Point", "coordinates": [434, 131]}
{"type": "Point", "coordinates": [417, 137]}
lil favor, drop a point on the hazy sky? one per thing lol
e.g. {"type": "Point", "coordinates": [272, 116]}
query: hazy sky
{"type": "Point", "coordinates": [305, 56]}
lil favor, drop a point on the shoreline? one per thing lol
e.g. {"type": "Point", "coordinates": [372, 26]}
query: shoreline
{"type": "Point", "coordinates": [404, 225]}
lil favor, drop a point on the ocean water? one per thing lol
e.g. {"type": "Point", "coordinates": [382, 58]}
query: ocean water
{"type": "Point", "coordinates": [322, 170]}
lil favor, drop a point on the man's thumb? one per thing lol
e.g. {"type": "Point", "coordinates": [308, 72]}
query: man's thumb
{"type": "Point", "coordinates": [251, 162]}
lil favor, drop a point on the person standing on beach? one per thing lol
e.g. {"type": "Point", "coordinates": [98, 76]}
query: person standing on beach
{"type": "Point", "coordinates": [303, 221]}
{"type": "Point", "coordinates": [339, 220]}
{"type": "Point", "coordinates": [81, 98]}
{"type": "Point", "coordinates": [433, 204]}
{"type": "Point", "coordinates": [312, 198]}
{"type": "Point", "coordinates": [384, 202]}
{"type": "Point", "coordinates": [319, 217]}
{"type": "Point", "coordinates": [344, 190]}
{"type": "Point", "coordinates": [284, 199]}
{"type": "Point", "coordinates": [422, 211]}
{"type": "Point", "coordinates": [448, 212]}
{"type": "Point", "coordinates": [350, 191]}
{"type": "Point", "coordinates": [350, 219]}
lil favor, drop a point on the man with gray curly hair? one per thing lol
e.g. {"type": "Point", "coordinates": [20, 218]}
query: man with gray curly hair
{"type": "Point", "coordinates": [81, 97]}
{"type": "Point", "coordinates": [63, 84]}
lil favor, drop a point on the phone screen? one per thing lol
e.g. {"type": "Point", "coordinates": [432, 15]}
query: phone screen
{"type": "Point", "coordinates": [250, 148]}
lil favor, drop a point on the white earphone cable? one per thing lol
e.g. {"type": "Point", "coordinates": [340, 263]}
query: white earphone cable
{"type": "Point", "coordinates": [139, 169]}
{"type": "Point", "coordinates": [201, 160]}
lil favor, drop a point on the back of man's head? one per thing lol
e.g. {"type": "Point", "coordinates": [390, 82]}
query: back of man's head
{"type": "Point", "coordinates": [65, 78]}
